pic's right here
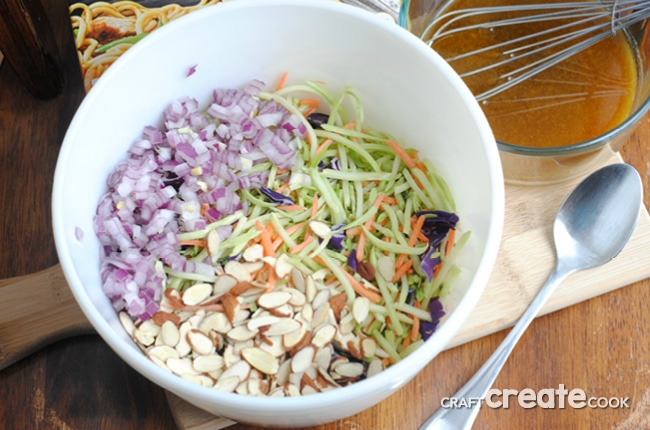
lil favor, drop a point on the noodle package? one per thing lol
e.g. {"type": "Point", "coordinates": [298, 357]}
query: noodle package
{"type": "Point", "coordinates": [104, 30]}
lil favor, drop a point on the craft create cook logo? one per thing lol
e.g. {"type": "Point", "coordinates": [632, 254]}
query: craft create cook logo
{"type": "Point", "coordinates": [547, 398]}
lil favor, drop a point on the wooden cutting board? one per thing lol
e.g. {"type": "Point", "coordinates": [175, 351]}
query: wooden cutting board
{"type": "Point", "coordinates": [526, 258]}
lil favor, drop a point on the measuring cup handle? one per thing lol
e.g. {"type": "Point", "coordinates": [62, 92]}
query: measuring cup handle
{"type": "Point", "coordinates": [36, 310]}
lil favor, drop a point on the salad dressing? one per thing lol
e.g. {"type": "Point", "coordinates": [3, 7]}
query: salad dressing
{"type": "Point", "coordinates": [574, 101]}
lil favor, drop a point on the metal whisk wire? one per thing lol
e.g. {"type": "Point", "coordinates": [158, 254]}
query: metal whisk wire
{"type": "Point", "coordinates": [609, 16]}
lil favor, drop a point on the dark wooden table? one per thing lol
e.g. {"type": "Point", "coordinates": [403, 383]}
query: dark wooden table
{"type": "Point", "coordinates": [601, 346]}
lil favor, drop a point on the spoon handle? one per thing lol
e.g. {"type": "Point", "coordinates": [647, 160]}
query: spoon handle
{"type": "Point", "coordinates": [475, 390]}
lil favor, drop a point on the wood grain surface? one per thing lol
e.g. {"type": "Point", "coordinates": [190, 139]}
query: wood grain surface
{"type": "Point", "coordinates": [600, 345]}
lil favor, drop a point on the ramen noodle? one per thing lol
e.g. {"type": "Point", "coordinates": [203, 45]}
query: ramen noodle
{"type": "Point", "coordinates": [104, 31]}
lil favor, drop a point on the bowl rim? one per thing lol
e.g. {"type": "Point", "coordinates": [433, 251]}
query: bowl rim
{"type": "Point", "coordinates": [136, 359]}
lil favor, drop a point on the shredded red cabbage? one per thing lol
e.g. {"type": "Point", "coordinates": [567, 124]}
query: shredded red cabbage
{"type": "Point", "coordinates": [427, 328]}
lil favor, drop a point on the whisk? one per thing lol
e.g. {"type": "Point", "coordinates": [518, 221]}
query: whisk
{"type": "Point", "coordinates": [548, 33]}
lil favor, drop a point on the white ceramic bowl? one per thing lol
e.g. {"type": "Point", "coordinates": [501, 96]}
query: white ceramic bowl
{"type": "Point", "coordinates": [407, 90]}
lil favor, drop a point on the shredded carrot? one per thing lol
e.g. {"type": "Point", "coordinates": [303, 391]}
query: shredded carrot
{"type": "Point", "coordinates": [323, 145]}
{"type": "Point", "coordinates": [282, 81]}
{"type": "Point", "coordinates": [361, 244]}
{"type": "Point", "coordinates": [270, 281]}
{"type": "Point", "coordinates": [406, 342]}
{"type": "Point", "coordinates": [371, 295]}
{"type": "Point", "coordinates": [281, 189]}
{"type": "Point", "coordinates": [378, 200]}
{"type": "Point", "coordinates": [291, 208]}
{"type": "Point", "coordinates": [277, 242]}
{"type": "Point", "coordinates": [417, 228]}
{"type": "Point", "coordinates": [353, 231]}
{"type": "Point", "coordinates": [314, 206]}
{"type": "Point", "coordinates": [265, 238]}
{"type": "Point", "coordinates": [329, 280]}
{"type": "Point", "coordinates": [415, 328]}
{"type": "Point", "coordinates": [312, 106]}
{"type": "Point", "coordinates": [437, 270]}
{"type": "Point", "coordinates": [402, 270]}
{"type": "Point", "coordinates": [327, 142]}
{"type": "Point", "coordinates": [387, 361]}
{"type": "Point", "coordinates": [193, 242]}
{"type": "Point", "coordinates": [400, 261]}
{"type": "Point", "coordinates": [420, 165]}
{"type": "Point", "coordinates": [294, 228]}
{"type": "Point", "coordinates": [401, 153]}
{"type": "Point", "coordinates": [450, 241]}
{"type": "Point", "coordinates": [296, 249]}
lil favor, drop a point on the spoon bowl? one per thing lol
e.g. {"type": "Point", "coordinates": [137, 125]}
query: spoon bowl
{"type": "Point", "coordinates": [609, 198]}
{"type": "Point", "coordinates": [592, 226]}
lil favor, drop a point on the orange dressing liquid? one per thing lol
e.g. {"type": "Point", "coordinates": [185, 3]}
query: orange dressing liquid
{"type": "Point", "coordinates": [576, 100]}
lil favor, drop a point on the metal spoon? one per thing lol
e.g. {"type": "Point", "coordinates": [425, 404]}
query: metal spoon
{"type": "Point", "coordinates": [592, 226]}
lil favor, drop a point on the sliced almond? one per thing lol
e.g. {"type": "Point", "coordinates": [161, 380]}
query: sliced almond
{"type": "Point", "coordinates": [292, 390]}
{"type": "Point", "coordinates": [163, 352]}
{"type": "Point", "coordinates": [298, 279]}
{"type": "Point", "coordinates": [274, 299]}
{"type": "Point", "coordinates": [169, 334]}
{"type": "Point", "coordinates": [223, 284]}
{"type": "Point", "coordinates": [208, 363]}
{"type": "Point", "coordinates": [320, 298]}
{"type": "Point", "coordinates": [298, 298]}
{"type": "Point", "coordinates": [368, 347]}
{"type": "Point", "coordinates": [302, 359]}
{"type": "Point", "coordinates": [284, 311]}
{"type": "Point", "coordinates": [320, 229]}
{"type": "Point", "coordinates": [386, 268]}
{"type": "Point", "coordinates": [241, 333]}
{"type": "Point", "coordinates": [240, 288]}
{"type": "Point", "coordinates": [181, 366]}
{"type": "Point", "coordinates": [258, 321]}
{"type": "Point", "coordinates": [202, 380]}
{"type": "Point", "coordinates": [310, 288]}
{"type": "Point", "coordinates": [231, 306]}
{"type": "Point", "coordinates": [213, 242]}
{"type": "Point", "coordinates": [127, 323]}
{"type": "Point", "coordinates": [337, 303]}
{"type": "Point", "coordinates": [230, 357]}
{"type": "Point", "coordinates": [196, 294]}
{"type": "Point", "coordinates": [237, 270]}
{"type": "Point", "coordinates": [283, 266]}
{"type": "Point", "coordinates": [283, 326]}
{"type": "Point", "coordinates": [253, 253]}
{"type": "Point", "coordinates": [360, 309]}
{"type": "Point", "coordinates": [350, 369]}
{"type": "Point", "coordinates": [183, 347]}
{"type": "Point", "coordinates": [228, 384]}
{"type": "Point", "coordinates": [323, 335]}
{"type": "Point", "coordinates": [146, 333]}
{"type": "Point", "coordinates": [200, 342]}
{"type": "Point", "coordinates": [241, 369]}
{"type": "Point", "coordinates": [323, 357]}
{"type": "Point", "coordinates": [216, 321]}
{"type": "Point", "coordinates": [374, 367]}
{"type": "Point", "coordinates": [261, 360]}
{"type": "Point", "coordinates": [321, 315]}
{"type": "Point", "coordinates": [291, 339]}
{"type": "Point", "coordinates": [273, 345]}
